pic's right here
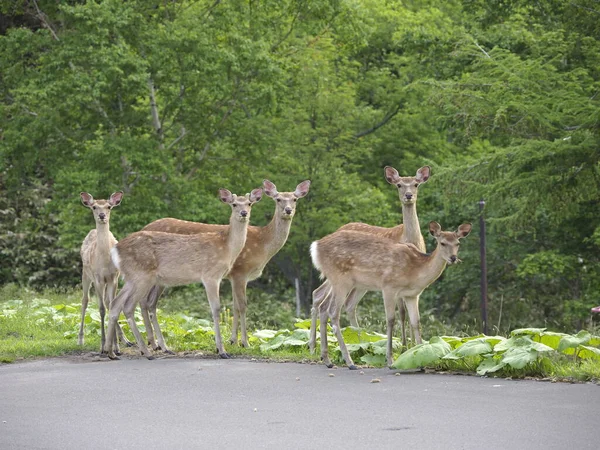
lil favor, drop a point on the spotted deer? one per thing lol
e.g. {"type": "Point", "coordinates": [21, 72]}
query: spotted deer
{"type": "Point", "coordinates": [98, 268]}
{"type": "Point", "coordinates": [408, 232]}
{"type": "Point", "coordinates": [262, 243]}
{"type": "Point", "coordinates": [154, 258]}
{"type": "Point", "coordinates": [367, 262]}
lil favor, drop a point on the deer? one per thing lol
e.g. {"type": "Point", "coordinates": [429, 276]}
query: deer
{"type": "Point", "coordinates": [407, 232]}
{"type": "Point", "coordinates": [98, 267]}
{"type": "Point", "coordinates": [355, 260]}
{"type": "Point", "coordinates": [156, 258]}
{"type": "Point", "coordinates": [262, 243]}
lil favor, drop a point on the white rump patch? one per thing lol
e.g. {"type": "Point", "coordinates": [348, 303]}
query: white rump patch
{"type": "Point", "coordinates": [116, 259]}
{"type": "Point", "coordinates": [314, 255]}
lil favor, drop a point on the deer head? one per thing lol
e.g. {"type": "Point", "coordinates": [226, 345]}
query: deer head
{"type": "Point", "coordinates": [408, 187]}
{"type": "Point", "coordinates": [286, 201]}
{"type": "Point", "coordinates": [448, 241]}
{"type": "Point", "coordinates": [101, 208]}
{"type": "Point", "coordinates": [241, 205]}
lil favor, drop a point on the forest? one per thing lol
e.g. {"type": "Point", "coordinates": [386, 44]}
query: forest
{"type": "Point", "coordinates": [170, 100]}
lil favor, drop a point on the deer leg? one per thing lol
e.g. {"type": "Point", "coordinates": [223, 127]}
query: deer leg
{"type": "Point", "coordinates": [389, 303]}
{"type": "Point", "coordinates": [402, 308]}
{"type": "Point", "coordinates": [113, 317]}
{"type": "Point", "coordinates": [334, 315]}
{"type": "Point", "coordinates": [238, 288]}
{"type": "Point", "coordinates": [212, 292]}
{"type": "Point", "coordinates": [109, 291]}
{"type": "Point", "coordinates": [120, 332]}
{"type": "Point", "coordinates": [412, 307]}
{"type": "Point", "coordinates": [85, 282]}
{"type": "Point", "coordinates": [319, 296]}
{"type": "Point", "coordinates": [351, 303]}
{"type": "Point", "coordinates": [153, 297]}
{"type": "Point", "coordinates": [129, 311]}
{"type": "Point", "coordinates": [100, 288]}
{"type": "Point", "coordinates": [323, 316]}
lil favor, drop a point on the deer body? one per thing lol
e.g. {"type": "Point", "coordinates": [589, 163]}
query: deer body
{"type": "Point", "coordinates": [364, 262]}
{"type": "Point", "coordinates": [408, 232]}
{"type": "Point", "coordinates": [262, 243]}
{"type": "Point", "coordinates": [98, 268]}
{"type": "Point", "coordinates": [154, 258]}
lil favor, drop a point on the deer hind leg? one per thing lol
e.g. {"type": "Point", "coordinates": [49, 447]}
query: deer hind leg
{"type": "Point", "coordinates": [212, 292]}
{"type": "Point", "coordinates": [351, 303]}
{"type": "Point", "coordinates": [85, 282]}
{"type": "Point", "coordinates": [412, 307]}
{"type": "Point", "coordinates": [153, 296]}
{"type": "Point", "coordinates": [335, 308]}
{"type": "Point", "coordinates": [402, 308]}
{"type": "Point", "coordinates": [320, 297]}
{"type": "Point", "coordinates": [137, 296]}
{"type": "Point", "coordinates": [389, 303]}
{"type": "Point", "coordinates": [122, 338]}
{"type": "Point", "coordinates": [240, 304]}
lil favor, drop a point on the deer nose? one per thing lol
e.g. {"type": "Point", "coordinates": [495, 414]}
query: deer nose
{"type": "Point", "coordinates": [243, 213]}
{"type": "Point", "coordinates": [288, 210]}
{"type": "Point", "coordinates": [408, 196]}
{"type": "Point", "coordinates": [102, 216]}
{"type": "Point", "coordinates": [453, 258]}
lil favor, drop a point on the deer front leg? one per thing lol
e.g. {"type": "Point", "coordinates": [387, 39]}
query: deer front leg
{"type": "Point", "coordinates": [402, 308]}
{"type": "Point", "coordinates": [120, 333]}
{"type": "Point", "coordinates": [85, 282]}
{"type": "Point", "coordinates": [323, 316]}
{"type": "Point", "coordinates": [351, 303]}
{"type": "Point", "coordinates": [212, 292]}
{"type": "Point", "coordinates": [240, 303]}
{"type": "Point", "coordinates": [412, 307]}
{"type": "Point", "coordinates": [100, 288]}
{"type": "Point", "coordinates": [335, 324]}
{"type": "Point", "coordinates": [148, 324]}
{"type": "Point", "coordinates": [113, 318]}
{"type": "Point", "coordinates": [129, 311]}
{"type": "Point", "coordinates": [389, 303]}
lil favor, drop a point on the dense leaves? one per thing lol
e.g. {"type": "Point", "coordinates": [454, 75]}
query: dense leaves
{"type": "Point", "coordinates": [168, 101]}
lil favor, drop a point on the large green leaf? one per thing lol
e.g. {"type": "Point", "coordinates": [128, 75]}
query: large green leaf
{"type": "Point", "coordinates": [519, 357]}
{"type": "Point", "coordinates": [490, 365]}
{"type": "Point", "coordinates": [474, 347]}
{"type": "Point", "coordinates": [423, 354]}
{"type": "Point", "coordinates": [570, 341]}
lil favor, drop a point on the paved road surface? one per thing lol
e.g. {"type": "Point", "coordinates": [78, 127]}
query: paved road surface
{"type": "Point", "coordinates": [215, 404]}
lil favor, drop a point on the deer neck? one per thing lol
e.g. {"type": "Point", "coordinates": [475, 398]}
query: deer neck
{"type": "Point", "coordinates": [412, 230]}
{"type": "Point", "coordinates": [434, 266]}
{"type": "Point", "coordinates": [237, 237]}
{"type": "Point", "coordinates": [103, 240]}
{"type": "Point", "coordinates": [275, 234]}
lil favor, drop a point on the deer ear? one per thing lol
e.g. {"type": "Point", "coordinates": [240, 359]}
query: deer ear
{"type": "Point", "coordinates": [464, 230]}
{"type": "Point", "coordinates": [435, 228]}
{"type": "Point", "coordinates": [270, 189]}
{"type": "Point", "coordinates": [256, 195]}
{"type": "Point", "coordinates": [423, 174]}
{"type": "Point", "coordinates": [86, 199]}
{"type": "Point", "coordinates": [302, 189]}
{"type": "Point", "coordinates": [115, 199]}
{"type": "Point", "coordinates": [391, 175]}
{"type": "Point", "coordinates": [225, 196]}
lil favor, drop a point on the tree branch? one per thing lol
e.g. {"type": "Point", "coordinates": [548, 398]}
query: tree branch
{"type": "Point", "coordinates": [383, 121]}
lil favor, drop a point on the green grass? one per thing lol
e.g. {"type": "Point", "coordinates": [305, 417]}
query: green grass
{"type": "Point", "coordinates": [46, 324]}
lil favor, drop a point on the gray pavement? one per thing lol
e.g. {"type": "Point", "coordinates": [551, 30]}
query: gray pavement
{"type": "Point", "coordinates": [208, 403]}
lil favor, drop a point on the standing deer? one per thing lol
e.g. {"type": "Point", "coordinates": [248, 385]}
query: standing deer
{"type": "Point", "coordinates": [149, 258]}
{"type": "Point", "coordinates": [408, 232]}
{"type": "Point", "coordinates": [262, 243]}
{"type": "Point", "coordinates": [354, 260]}
{"type": "Point", "coordinates": [98, 268]}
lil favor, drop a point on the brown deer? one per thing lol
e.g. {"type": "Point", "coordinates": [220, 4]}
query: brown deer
{"type": "Point", "coordinates": [262, 243]}
{"type": "Point", "coordinates": [149, 258]}
{"type": "Point", "coordinates": [355, 260]}
{"type": "Point", "coordinates": [98, 268]}
{"type": "Point", "coordinates": [408, 232]}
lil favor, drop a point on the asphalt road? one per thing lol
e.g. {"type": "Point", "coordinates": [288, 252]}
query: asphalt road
{"type": "Point", "coordinates": [177, 403]}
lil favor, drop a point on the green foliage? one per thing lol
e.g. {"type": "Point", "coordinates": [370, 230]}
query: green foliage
{"type": "Point", "coordinates": [170, 101]}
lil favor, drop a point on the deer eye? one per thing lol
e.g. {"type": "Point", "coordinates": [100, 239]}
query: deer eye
{"type": "Point", "coordinates": [93, 207]}
{"type": "Point", "coordinates": [295, 199]}
{"type": "Point", "coordinates": [278, 200]}
{"type": "Point", "coordinates": [416, 185]}
{"type": "Point", "coordinates": [443, 244]}
{"type": "Point", "coordinates": [399, 185]}
{"type": "Point", "coordinates": [233, 205]}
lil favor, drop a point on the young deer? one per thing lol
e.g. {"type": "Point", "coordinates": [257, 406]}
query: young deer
{"type": "Point", "coordinates": [355, 260]}
{"type": "Point", "coordinates": [149, 258]}
{"type": "Point", "coordinates": [408, 232]}
{"type": "Point", "coordinates": [98, 268]}
{"type": "Point", "coordinates": [262, 243]}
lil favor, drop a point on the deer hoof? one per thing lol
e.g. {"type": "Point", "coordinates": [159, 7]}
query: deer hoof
{"type": "Point", "coordinates": [150, 357]}
{"type": "Point", "coordinates": [352, 367]}
{"type": "Point", "coordinates": [224, 355]}
{"type": "Point", "coordinates": [169, 352]}
{"type": "Point", "coordinates": [113, 357]}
